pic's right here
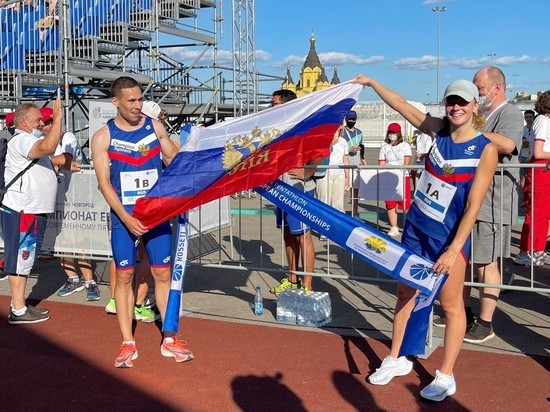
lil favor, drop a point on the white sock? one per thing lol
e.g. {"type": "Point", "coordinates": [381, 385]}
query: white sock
{"type": "Point", "coordinates": [19, 312]}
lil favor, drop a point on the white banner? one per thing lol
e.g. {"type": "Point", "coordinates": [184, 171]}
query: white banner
{"type": "Point", "coordinates": [80, 223]}
{"type": "Point", "coordinates": [381, 184]}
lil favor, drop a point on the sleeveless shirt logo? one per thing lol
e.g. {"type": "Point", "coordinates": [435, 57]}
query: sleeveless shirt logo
{"type": "Point", "coordinates": [448, 170]}
{"type": "Point", "coordinates": [470, 150]}
{"type": "Point", "coordinates": [144, 149]}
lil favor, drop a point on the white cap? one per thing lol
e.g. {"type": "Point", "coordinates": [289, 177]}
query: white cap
{"type": "Point", "coordinates": [151, 109]}
{"type": "Point", "coordinates": [463, 88]}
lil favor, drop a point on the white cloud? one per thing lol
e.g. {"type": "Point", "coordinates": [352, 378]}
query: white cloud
{"type": "Point", "coordinates": [225, 57]}
{"type": "Point", "coordinates": [329, 59]}
{"type": "Point", "coordinates": [340, 59]}
{"type": "Point", "coordinates": [430, 2]}
{"type": "Point", "coordinates": [425, 62]}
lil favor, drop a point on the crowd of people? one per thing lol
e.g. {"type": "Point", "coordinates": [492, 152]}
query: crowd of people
{"type": "Point", "coordinates": [464, 228]}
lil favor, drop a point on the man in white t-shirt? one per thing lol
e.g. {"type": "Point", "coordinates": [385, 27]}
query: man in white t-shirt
{"type": "Point", "coordinates": [27, 202]}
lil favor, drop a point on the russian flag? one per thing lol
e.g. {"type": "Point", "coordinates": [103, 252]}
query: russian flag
{"type": "Point", "coordinates": [247, 152]}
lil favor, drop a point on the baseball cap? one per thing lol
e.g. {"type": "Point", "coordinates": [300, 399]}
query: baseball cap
{"type": "Point", "coordinates": [394, 128]}
{"type": "Point", "coordinates": [9, 119]}
{"type": "Point", "coordinates": [462, 88]}
{"type": "Point", "coordinates": [151, 109]}
{"type": "Point", "coordinates": [47, 113]}
{"type": "Point", "coordinates": [351, 115]}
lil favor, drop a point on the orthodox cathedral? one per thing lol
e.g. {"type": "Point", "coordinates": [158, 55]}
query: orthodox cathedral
{"type": "Point", "coordinates": [312, 75]}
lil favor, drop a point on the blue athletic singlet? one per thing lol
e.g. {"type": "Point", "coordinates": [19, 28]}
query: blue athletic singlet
{"type": "Point", "coordinates": [442, 191]}
{"type": "Point", "coordinates": [135, 163]}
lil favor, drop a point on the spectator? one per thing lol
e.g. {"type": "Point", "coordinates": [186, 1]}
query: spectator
{"type": "Point", "coordinates": [396, 152]}
{"type": "Point", "coordinates": [331, 188]}
{"type": "Point", "coordinates": [493, 229]}
{"type": "Point", "coordinates": [64, 164]}
{"type": "Point", "coordinates": [440, 229]}
{"type": "Point", "coordinates": [142, 311]}
{"type": "Point", "coordinates": [356, 157]}
{"type": "Point", "coordinates": [5, 136]}
{"type": "Point", "coordinates": [296, 235]}
{"type": "Point", "coordinates": [423, 145]}
{"type": "Point", "coordinates": [537, 191]}
{"type": "Point", "coordinates": [135, 137]}
{"type": "Point", "coordinates": [525, 153]}
{"type": "Point", "coordinates": [27, 202]}
{"type": "Point", "coordinates": [9, 128]}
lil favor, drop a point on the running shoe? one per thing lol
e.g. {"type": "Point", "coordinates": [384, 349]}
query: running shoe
{"type": "Point", "coordinates": [394, 231]}
{"type": "Point", "coordinates": [71, 286]}
{"type": "Point", "coordinates": [30, 316]}
{"type": "Point", "coordinates": [110, 308]}
{"type": "Point", "coordinates": [145, 315]}
{"type": "Point", "coordinates": [173, 348]}
{"type": "Point", "coordinates": [284, 285]}
{"type": "Point", "coordinates": [92, 292]}
{"type": "Point", "coordinates": [479, 333]}
{"type": "Point", "coordinates": [525, 259]}
{"type": "Point", "coordinates": [38, 309]}
{"type": "Point", "coordinates": [441, 387]}
{"type": "Point", "coordinates": [127, 354]}
{"type": "Point", "coordinates": [390, 368]}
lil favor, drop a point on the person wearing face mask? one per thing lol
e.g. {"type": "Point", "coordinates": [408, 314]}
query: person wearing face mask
{"type": "Point", "coordinates": [9, 129]}
{"type": "Point", "coordinates": [491, 239]}
{"type": "Point", "coordinates": [356, 156]}
{"type": "Point", "coordinates": [27, 202]}
{"type": "Point", "coordinates": [525, 153]}
{"type": "Point", "coordinates": [63, 161]}
{"type": "Point", "coordinates": [396, 152]}
{"type": "Point", "coordinates": [537, 191]}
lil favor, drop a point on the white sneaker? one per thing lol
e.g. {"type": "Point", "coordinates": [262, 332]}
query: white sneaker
{"type": "Point", "coordinates": [441, 387]}
{"type": "Point", "coordinates": [394, 231]}
{"type": "Point", "coordinates": [390, 368]}
{"type": "Point", "coordinates": [543, 258]}
{"type": "Point", "coordinates": [526, 260]}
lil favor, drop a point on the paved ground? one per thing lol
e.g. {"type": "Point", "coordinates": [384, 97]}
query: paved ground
{"type": "Point", "coordinates": [244, 362]}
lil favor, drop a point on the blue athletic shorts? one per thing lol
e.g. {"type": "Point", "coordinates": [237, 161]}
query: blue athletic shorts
{"type": "Point", "coordinates": [23, 236]}
{"type": "Point", "coordinates": [157, 242]}
{"type": "Point", "coordinates": [296, 226]}
{"type": "Point", "coordinates": [422, 244]}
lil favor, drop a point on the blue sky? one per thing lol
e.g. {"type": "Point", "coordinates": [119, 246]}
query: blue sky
{"type": "Point", "coordinates": [395, 41]}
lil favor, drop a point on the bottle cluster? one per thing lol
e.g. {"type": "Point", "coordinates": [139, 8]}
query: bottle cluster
{"type": "Point", "coordinates": [305, 309]}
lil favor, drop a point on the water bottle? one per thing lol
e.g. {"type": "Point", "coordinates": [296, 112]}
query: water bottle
{"type": "Point", "coordinates": [258, 302]}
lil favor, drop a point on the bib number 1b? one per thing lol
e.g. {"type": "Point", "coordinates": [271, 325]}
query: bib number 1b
{"type": "Point", "coordinates": [135, 185]}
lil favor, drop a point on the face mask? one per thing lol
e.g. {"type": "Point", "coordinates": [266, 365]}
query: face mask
{"type": "Point", "coordinates": [350, 124]}
{"type": "Point", "coordinates": [392, 137]}
{"type": "Point", "coordinates": [484, 105]}
{"type": "Point", "coordinates": [37, 133]}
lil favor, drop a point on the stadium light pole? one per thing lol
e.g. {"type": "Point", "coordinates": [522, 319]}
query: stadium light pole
{"type": "Point", "coordinates": [515, 76]}
{"type": "Point", "coordinates": [491, 55]}
{"type": "Point", "coordinates": [438, 10]}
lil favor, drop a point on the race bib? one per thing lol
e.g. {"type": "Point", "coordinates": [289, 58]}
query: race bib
{"type": "Point", "coordinates": [433, 196]}
{"type": "Point", "coordinates": [135, 185]}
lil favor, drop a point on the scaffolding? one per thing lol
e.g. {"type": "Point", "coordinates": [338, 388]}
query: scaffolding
{"type": "Point", "coordinates": [74, 49]}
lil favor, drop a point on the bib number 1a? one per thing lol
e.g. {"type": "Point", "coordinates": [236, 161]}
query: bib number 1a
{"type": "Point", "coordinates": [433, 196]}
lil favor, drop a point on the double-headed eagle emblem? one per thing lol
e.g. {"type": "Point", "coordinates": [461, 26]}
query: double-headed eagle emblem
{"type": "Point", "coordinates": [236, 149]}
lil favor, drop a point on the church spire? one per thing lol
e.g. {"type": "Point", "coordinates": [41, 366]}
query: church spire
{"type": "Point", "coordinates": [312, 59]}
{"type": "Point", "coordinates": [335, 78]}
